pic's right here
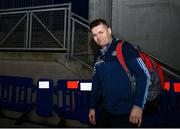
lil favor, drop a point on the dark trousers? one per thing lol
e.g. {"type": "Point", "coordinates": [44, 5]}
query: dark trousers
{"type": "Point", "coordinates": [115, 120]}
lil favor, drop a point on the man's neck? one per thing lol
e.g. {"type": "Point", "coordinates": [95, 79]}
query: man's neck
{"type": "Point", "coordinates": [104, 49]}
{"type": "Point", "coordinates": [109, 42]}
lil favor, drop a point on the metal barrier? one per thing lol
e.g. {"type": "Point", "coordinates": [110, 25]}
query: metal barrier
{"type": "Point", "coordinates": [16, 94]}
{"type": "Point", "coordinates": [36, 28]}
{"type": "Point", "coordinates": [44, 97]}
{"type": "Point", "coordinates": [68, 107]}
{"type": "Point", "coordinates": [72, 100]}
{"type": "Point", "coordinates": [80, 40]}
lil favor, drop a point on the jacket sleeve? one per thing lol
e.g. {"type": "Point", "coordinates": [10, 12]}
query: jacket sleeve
{"type": "Point", "coordinates": [95, 93]}
{"type": "Point", "coordinates": [138, 69]}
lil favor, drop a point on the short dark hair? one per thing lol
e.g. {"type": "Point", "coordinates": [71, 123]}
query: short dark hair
{"type": "Point", "coordinates": [98, 22]}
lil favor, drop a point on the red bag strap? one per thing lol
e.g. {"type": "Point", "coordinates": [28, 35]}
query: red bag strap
{"type": "Point", "coordinates": [120, 55]}
{"type": "Point", "coordinates": [153, 64]}
{"type": "Point", "coordinates": [147, 60]}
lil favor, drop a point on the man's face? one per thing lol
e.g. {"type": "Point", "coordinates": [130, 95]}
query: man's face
{"type": "Point", "coordinates": [102, 35]}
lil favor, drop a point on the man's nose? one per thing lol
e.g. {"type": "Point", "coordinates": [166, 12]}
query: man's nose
{"type": "Point", "coordinates": [98, 36]}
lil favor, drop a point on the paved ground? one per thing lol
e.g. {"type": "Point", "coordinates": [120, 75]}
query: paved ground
{"type": "Point", "coordinates": [10, 123]}
{"type": "Point", "coordinates": [10, 118]}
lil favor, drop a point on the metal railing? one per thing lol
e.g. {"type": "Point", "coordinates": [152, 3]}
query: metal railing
{"type": "Point", "coordinates": [80, 37]}
{"type": "Point", "coordinates": [36, 28]}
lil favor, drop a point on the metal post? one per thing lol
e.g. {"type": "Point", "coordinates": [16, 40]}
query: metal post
{"type": "Point", "coordinates": [30, 30]}
{"type": "Point", "coordinates": [69, 29]}
{"type": "Point", "coordinates": [65, 27]}
{"type": "Point", "coordinates": [27, 30]}
{"type": "Point", "coordinates": [72, 38]}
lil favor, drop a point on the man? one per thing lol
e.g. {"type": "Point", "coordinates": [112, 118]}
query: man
{"type": "Point", "coordinates": [111, 86]}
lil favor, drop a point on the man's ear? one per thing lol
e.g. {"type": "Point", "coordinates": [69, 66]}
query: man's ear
{"type": "Point", "coordinates": [110, 31]}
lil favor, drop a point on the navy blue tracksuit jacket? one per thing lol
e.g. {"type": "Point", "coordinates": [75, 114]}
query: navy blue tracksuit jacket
{"type": "Point", "coordinates": [111, 86]}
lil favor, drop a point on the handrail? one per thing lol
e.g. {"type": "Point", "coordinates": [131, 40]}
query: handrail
{"type": "Point", "coordinates": [79, 17]}
{"type": "Point", "coordinates": [168, 69]}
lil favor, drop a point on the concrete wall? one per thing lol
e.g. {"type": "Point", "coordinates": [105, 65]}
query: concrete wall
{"type": "Point", "coordinates": [100, 9]}
{"type": "Point", "coordinates": [152, 24]}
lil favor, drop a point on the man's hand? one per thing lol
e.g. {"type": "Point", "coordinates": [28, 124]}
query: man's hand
{"type": "Point", "coordinates": [92, 117]}
{"type": "Point", "coordinates": [136, 115]}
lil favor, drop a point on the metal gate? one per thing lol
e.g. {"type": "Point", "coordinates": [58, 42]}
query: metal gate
{"type": "Point", "coordinates": [36, 28]}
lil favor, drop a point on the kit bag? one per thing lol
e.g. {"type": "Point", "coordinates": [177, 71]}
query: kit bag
{"type": "Point", "coordinates": [156, 73]}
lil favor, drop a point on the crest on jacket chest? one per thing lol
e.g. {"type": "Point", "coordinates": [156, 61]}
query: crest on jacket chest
{"type": "Point", "coordinates": [100, 59]}
{"type": "Point", "coordinates": [113, 53]}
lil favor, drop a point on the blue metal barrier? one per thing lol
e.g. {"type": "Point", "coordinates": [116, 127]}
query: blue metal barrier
{"type": "Point", "coordinates": [73, 104]}
{"type": "Point", "coordinates": [175, 96]}
{"type": "Point", "coordinates": [68, 107]}
{"type": "Point", "coordinates": [44, 97]}
{"type": "Point", "coordinates": [16, 93]}
{"type": "Point", "coordinates": [83, 102]}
